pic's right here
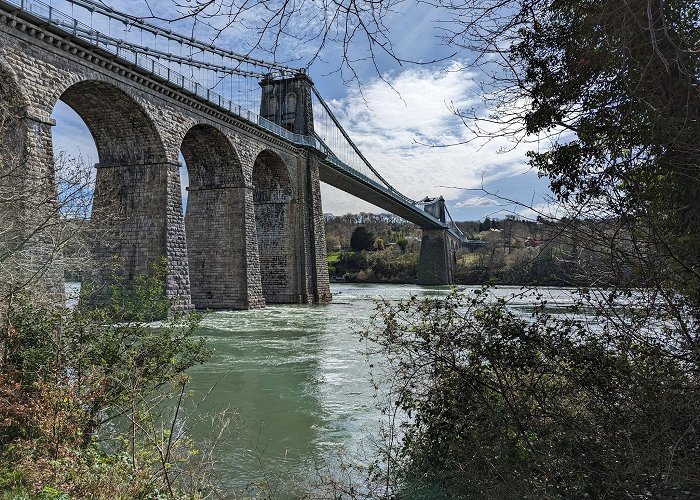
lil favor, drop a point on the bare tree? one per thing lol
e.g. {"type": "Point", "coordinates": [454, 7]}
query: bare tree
{"type": "Point", "coordinates": [44, 210]}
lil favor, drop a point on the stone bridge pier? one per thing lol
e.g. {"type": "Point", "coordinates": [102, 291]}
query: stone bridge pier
{"type": "Point", "coordinates": [30, 233]}
{"type": "Point", "coordinates": [252, 232]}
{"type": "Point", "coordinates": [438, 249]}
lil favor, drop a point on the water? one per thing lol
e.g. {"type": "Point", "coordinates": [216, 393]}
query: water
{"type": "Point", "coordinates": [300, 385]}
{"type": "Point", "coordinates": [300, 380]}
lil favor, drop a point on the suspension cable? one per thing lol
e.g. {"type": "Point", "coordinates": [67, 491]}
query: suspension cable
{"type": "Point", "coordinates": [350, 141]}
{"type": "Point", "coordinates": [190, 60]}
{"type": "Point", "coordinates": [156, 30]}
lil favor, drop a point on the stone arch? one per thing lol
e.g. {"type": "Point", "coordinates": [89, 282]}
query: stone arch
{"type": "Point", "coordinates": [275, 222]}
{"type": "Point", "coordinates": [271, 179]}
{"type": "Point", "coordinates": [211, 159]}
{"type": "Point", "coordinates": [215, 220]}
{"type": "Point", "coordinates": [124, 134]}
{"type": "Point", "coordinates": [133, 203]}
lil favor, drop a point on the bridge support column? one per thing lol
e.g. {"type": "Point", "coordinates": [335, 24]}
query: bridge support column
{"type": "Point", "coordinates": [288, 103]}
{"type": "Point", "coordinates": [31, 234]}
{"type": "Point", "coordinates": [436, 263]}
{"type": "Point", "coordinates": [223, 274]}
{"type": "Point", "coordinates": [318, 285]}
{"type": "Point", "coordinates": [137, 215]}
{"type": "Point", "coordinates": [254, 288]}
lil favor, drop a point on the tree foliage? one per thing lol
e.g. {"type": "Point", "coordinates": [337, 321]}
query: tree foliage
{"type": "Point", "coordinates": [603, 402]}
{"type": "Point", "coordinates": [623, 78]}
{"type": "Point", "coordinates": [499, 403]}
{"type": "Point", "coordinates": [65, 374]}
{"type": "Point", "coordinates": [361, 239]}
{"type": "Point", "coordinates": [402, 243]}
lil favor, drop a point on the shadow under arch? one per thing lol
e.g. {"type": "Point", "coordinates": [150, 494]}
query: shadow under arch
{"type": "Point", "coordinates": [133, 194]}
{"type": "Point", "coordinates": [275, 226]}
{"type": "Point", "coordinates": [215, 220]}
{"type": "Point", "coordinates": [123, 133]}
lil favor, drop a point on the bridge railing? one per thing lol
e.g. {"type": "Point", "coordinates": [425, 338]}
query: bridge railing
{"type": "Point", "coordinates": [150, 66]}
{"type": "Point", "coordinates": [79, 30]}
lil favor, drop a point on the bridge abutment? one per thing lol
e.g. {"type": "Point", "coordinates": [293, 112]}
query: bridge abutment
{"type": "Point", "coordinates": [216, 241]}
{"type": "Point", "coordinates": [254, 288]}
{"type": "Point", "coordinates": [177, 278]}
{"type": "Point", "coordinates": [318, 284]}
{"type": "Point", "coordinates": [277, 230]}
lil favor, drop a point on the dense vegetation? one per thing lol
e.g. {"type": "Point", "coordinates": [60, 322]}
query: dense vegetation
{"type": "Point", "coordinates": [511, 251]}
{"type": "Point", "coordinates": [498, 404]}
{"type": "Point", "coordinates": [89, 398]}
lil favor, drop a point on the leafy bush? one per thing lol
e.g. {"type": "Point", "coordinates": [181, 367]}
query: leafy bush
{"type": "Point", "coordinates": [402, 242]}
{"type": "Point", "coordinates": [378, 244]}
{"type": "Point", "coordinates": [361, 239]}
{"type": "Point", "coordinates": [64, 375]}
{"type": "Point", "coordinates": [502, 405]}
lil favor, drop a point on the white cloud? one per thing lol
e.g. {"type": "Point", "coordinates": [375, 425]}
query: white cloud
{"type": "Point", "coordinates": [477, 201]}
{"type": "Point", "coordinates": [392, 126]}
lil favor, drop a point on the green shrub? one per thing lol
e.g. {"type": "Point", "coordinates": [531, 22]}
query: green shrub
{"type": "Point", "coordinates": [361, 239]}
{"type": "Point", "coordinates": [502, 405]}
{"type": "Point", "coordinates": [67, 373]}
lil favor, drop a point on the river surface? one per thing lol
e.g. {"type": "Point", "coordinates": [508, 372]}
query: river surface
{"type": "Point", "coordinates": [298, 382]}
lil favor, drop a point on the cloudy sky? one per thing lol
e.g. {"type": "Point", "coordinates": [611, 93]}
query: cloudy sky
{"type": "Point", "coordinates": [400, 115]}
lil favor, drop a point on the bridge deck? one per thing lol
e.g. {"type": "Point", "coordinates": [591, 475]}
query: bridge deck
{"type": "Point", "coordinates": [337, 175]}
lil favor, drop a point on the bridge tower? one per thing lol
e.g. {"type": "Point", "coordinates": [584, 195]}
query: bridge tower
{"type": "Point", "coordinates": [288, 102]}
{"type": "Point", "coordinates": [438, 249]}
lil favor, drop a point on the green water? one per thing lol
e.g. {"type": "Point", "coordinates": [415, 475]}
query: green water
{"type": "Point", "coordinates": [299, 379]}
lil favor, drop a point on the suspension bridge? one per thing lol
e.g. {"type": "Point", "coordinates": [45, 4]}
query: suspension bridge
{"type": "Point", "coordinates": [297, 136]}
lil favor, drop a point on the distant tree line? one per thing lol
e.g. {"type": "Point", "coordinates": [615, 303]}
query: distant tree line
{"type": "Point", "coordinates": [508, 251]}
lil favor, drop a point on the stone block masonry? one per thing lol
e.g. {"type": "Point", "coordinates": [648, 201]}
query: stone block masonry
{"type": "Point", "coordinates": [288, 103]}
{"type": "Point", "coordinates": [253, 231]}
{"type": "Point", "coordinates": [438, 257]}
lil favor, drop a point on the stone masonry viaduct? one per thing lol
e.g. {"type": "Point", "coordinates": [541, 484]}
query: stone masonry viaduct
{"type": "Point", "coordinates": [254, 229]}
{"type": "Point", "coordinates": [255, 223]}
